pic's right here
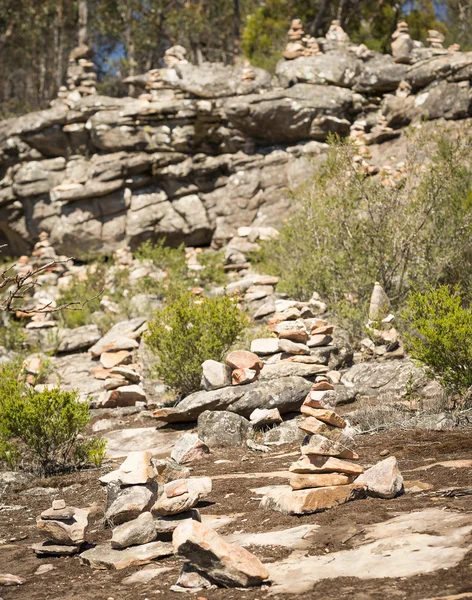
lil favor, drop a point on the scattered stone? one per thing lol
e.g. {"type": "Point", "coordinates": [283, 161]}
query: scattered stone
{"type": "Point", "coordinates": [265, 346]}
{"type": "Point", "coordinates": [304, 502]}
{"type": "Point", "coordinates": [7, 579]}
{"type": "Point", "coordinates": [133, 533]}
{"type": "Point", "coordinates": [265, 416]}
{"type": "Point", "coordinates": [113, 359]}
{"type": "Point", "coordinates": [145, 575]}
{"type": "Point", "coordinates": [383, 480]}
{"type": "Point", "coordinates": [189, 448]}
{"type": "Point", "coordinates": [51, 549]}
{"type": "Point", "coordinates": [222, 428]}
{"type": "Point", "coordinates": [215, 375]}
{"type": "Point", "coordinates": [104, 556]}
{"type": "Point", "coordinates": [42, 569]}
{"type": "Point", "coordinates": [325, 415]}
{"type": "Point", "coordinates": [242, 359]}
{"type": "Point", "coordinates": [226, 564]}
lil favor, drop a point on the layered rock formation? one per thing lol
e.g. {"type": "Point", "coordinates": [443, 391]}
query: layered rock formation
{"type": "Point", "coordinates": [207, 149]}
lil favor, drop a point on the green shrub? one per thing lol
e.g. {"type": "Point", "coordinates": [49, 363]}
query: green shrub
{"type": "Point", "coordinates": [348, 230]}
{"type": "Point", "coordinates": [12, 333]}
{"type": "Point", "coordinates": [42, 429]}
{"type": "Point", "coordinates": [189, 331]}
{"type": "Point", "coordinates": [439, 336]}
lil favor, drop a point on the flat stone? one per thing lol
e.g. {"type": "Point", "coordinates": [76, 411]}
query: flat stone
{"type": "Point", "coordinates": [104, 556]}
{"type": "Point", "coordinates": [46, 568]}
{"type": "Point", "coordinates": [113, 343]}
{"type": "Point", "coordinates": [265, 346]}
{"type": "Point", "coordinates": [321, 339]}
{"type": "Point", "coordinates": [167, 524]}
{"type": "Point", "coordinates": [299, 336]}
{"type": "Point", "coordinates": [311, 425]}
{"type": "Point", "coordinates": [113, 359]}
{"type": "Point", "coordinates": [133, 533]}
{"type": "Point", "coordinates": [127, 373]}
{"type": "Point", "coordinates": [318, 444]}
{"type": "Point", "coordinates": [136, 469]}
{"type": "Point", "coordinates": [301, 482]}
{"type": "Point", "coordinates": [126, 395]}
{"type": "Point", "coordinates": [303, 502]}
{"type": "Point", "coordinates": [145, 575]}
{"type": "Point", "coordinates": [122, 442]}
{"type": "Point", "coordinates": [311, 463]}
{"type": "Point", "coordinates": [51, 549]}
{"type": "Point", "coordinates": [291, 369]}
{"type": "Point", "coordinates": [215, 375]}
{"type": "Point", "coordinates": [295, 538]}
{"type": "Point", "coordinates": [383, 480]}
{"type": "Point", "coordinates": [325, 415]}
{"type": "Point", "coordinates": [68, 531]}
{"type": "Point", "coordinates": [265, 416]}
{"type": "Point", "coordinates": [290, 347]}
{"type": "Point", "coordinates": [321, 399]}
{"type": "Point", "coordinates": [227, 564]}
{"type": "Point", "coordinates": [61, 514]}
{"type": "Point", "coordinates": [242, 359]}
{"type": "Point", "coordinates": [7, 579]}
{"type": "Point", "coordinates": [176, 488]}
{"type": "Point", "coordinates": [78, 339]}
{"type": "Point", "coordinates": [189, 448]}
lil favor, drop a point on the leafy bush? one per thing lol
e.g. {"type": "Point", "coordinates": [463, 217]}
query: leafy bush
{"type": "Point", "coordinates": [348, 230]}
{"type": "Point", "coordinates": [440, 336]}
{"type": "Point", "coordinates": [189, 331]}
{"type": "Point", "coordinates": [41, 430]}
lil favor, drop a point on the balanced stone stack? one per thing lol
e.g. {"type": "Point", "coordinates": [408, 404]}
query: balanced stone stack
{"type": "Point", "coordinates": [402, 44]}
{"type": "Point", "coordinates": [324, 476]}
{"type": "Point", "coordinates": [81, 76]}
{"type": "Point", "coordinates": [435, 39]}
{"type": "Point", "coordinates": [300, 44]}
{"type": "Point", "coordinates": [337, 34]}
{"type": "Point", "coordinates": [142, 511]}
{"type": "Point", "coordinates": [65, 527]}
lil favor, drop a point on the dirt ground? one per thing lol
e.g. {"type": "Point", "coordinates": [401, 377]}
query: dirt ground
{"type": "Point", "coordinates": [233, 494]}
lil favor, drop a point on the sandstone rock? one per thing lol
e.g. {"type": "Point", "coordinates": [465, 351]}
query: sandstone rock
{"type": "Point", "coordinates": [265, 346]}
{"type": "Point", "coordinates": [290, 347]}
{"type": "Point", "coordinates": [69, 531]}
{"type": "Point", "coordinates": [321, 399]}
{"type": "Point", "coordinates": [311, 425]}
{"type": "Point", "coordinates": [311, 463]}
{"type": "Point", "coordinates": [136, 469]}
{"type": "Point", "coordinates": [320, 339]}
{"type": "Point", "coordinates": [222, 428]}
{"type": "Point", "coordinates": [112, 343]}
{"type": "Point", "coordinates": [303, 502]}
{"type": "Point", "coordinates": [113, 359]}
{"type": "Point", "coordinates": [301, 482]}
{"type": "Point", "coordinates": [243, 376]}
{"type": "Point", "coordinates": [127, 372]}
{"type": "Point", "coordinates": [133, 533]}
{"type": "Point", "coordinates": [104, 556]}
{"type": "Point", "coordinates": [325, 415]}
{"type": "Point", "coordinates": [79, 339]}
{"type": "Point", "coordinates": [215, 375]}
{"type": "Point", "coordinates": [383, 480]}
{"type": "Point", "coordinates": [290, 370]}
{"type": "Point", "coordinates": [226, 564]}
{"type": "Point", "coordinates": [170, 523]}
{"type": "Point", "coordinates": [318, 444]}
{"type": "Point", "coordinates": [126, 395]}
{"type": "Point", "coordinates": [189, 448]}
{"type": "Point", "coordinates": [167, 506]}
{"type": "Point", "coordinates": [52, 549]}
{"type": "Point", "coordinates": [191, 579]}
{"type": "Point", "coordinates": [7, 579]}
{"type": "Point", "coordinates": [266, 416]}
{"type": "Point", "coordinates": [242, 359]}
{"type": "Point", "coordinates": [128, 503]}
{"type": "Point", "coordinates": [169, 470]}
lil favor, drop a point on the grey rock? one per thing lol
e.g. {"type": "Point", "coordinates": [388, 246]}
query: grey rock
{"type": "Point", "coordinates": [222, 428]}
{"type": "Point", "coordinates": [383, 480]}
{"type": "Point", "coordinates": [79, 339]}
{"type": "Point", "coordinates": [189, 448]}
{"type": "Point", "coordinates": [287, 432]}
{"type": "Point", "coordinates": [133, 533]}
{"type": "Point", "coordinates": [167, 524]}
{"type": "Point", "coordinates": [215, 375]}
{"type": "Point", "coordinates": [126, 504]}
{"type": "Point", "coordinates": [104, 556]}
{"type": "Point", "coordinates": [168, 469]}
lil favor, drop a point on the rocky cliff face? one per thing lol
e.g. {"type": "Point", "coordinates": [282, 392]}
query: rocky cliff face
{"type": "Point", "coordinates": [216, 148]}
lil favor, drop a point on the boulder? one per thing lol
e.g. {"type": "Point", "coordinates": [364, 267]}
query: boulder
{"type": "Point", "coordinates": [222, 428]}
{"type": "Point", "coordinates": [189, 448]}
{"type": "Point", "coordinates": [68, 530]}
{"type": "Point", "coordinates": [134, 533]}
{"type": "Point", "coordinates": [301, 482]}
{"type": "Point", "coordinates": [302, 502]}
{"type": "Point", "coordinates": [215, 375]}
{"type": "Point", "coordinates": [128, 503]}
{"type": "Point", "coordinates": [338, 69]}
{"type": "Point", "coordinates": [226, 564]}
{"type": "Point", "coordinates": [79, 339]}
{"type": "Point", "coordinates": [383, 480]}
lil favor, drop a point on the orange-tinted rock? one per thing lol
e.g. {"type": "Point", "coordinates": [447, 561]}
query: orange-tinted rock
{"type": "Point", "coordinates": [325, 415]}
{"type": "Point", "coordinates": [101, 374]}
{"type": "Point", "coordinates": [229, 565]}
{"type": "Point", "coordinates": [176, 488]}
{"type": "Point", "coordinates": [301, 482]}
{"type": "Point", "coordinates": [322, 386]}
{"type": "Point", "coordinates": [113, 359]}
{"type": "Point", "coordinates": [326, 329]}
{"type": "Point", "coordinates": [242, 359]}
{"type": "Point", "coordinates": [320, 399]}
{"type": "Point", "coordinates": [302, 502]}
{"type": "Point", "coordinates": [242, 376]}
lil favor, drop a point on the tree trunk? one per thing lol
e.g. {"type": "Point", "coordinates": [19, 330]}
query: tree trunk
{"type": "Point", "coordinates": [320, 15]}
{"type": "Point", "coordinates": [236, 32]}
{"type": "Point", "coordinates": [58, 42]}
{"type": "Point", "coordinates": [83, 22]}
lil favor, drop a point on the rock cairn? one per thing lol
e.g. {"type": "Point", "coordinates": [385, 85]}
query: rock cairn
{"type": "Point", "coordinates": [81, 75]}
{"type": "Point", "coordinates": [435, 39]}
{"type": "Point", "coordinates": [324, 476]}
{"type": "Point", "coordinates": [337, 34]}
{"type": "Point", "coordinates": [300, 44]}
{"type": "Point", "coordinates": [402, 44]}
{"type": "Point", "coordinates": [65, 527]}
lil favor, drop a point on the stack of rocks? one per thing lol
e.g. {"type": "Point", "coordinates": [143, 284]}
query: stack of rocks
{"type": "Point", "coordinates": [142, 511]}
{"type": "Point", "coordinates": [300, 44]}
{"type": "Point", "coordinates": [81, 75]}
{"type": "Point", "coordinates": [323, 476]}
{"type": "Point", "coordinates": [175, 55]}
{"type": "Point", "coordinates": [402, 44]}
{"type": "Point", "coordinates": [248, 73]}
{"type": "Point", "coordinates": [240, 367]}
{"type": "Point", "coordinates": [435, 39]}
{"type": "Point", "coordinates": [65, 527]}
{"type": "Point", "coordinates": [336, 34]}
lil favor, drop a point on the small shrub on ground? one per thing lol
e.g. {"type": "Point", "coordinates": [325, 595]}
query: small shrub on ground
{"type": "Point", "coordinates": [42, 430]}
{"type": "Point", "coordinates": [189, 331]}
{"type": "Point", "coordinates": [439, 336]}
{"type": "Point", "coordinates": [348, 230]}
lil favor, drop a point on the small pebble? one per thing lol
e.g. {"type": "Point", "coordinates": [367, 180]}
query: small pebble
{"type": "Point", "coordinates": [385, 453]}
